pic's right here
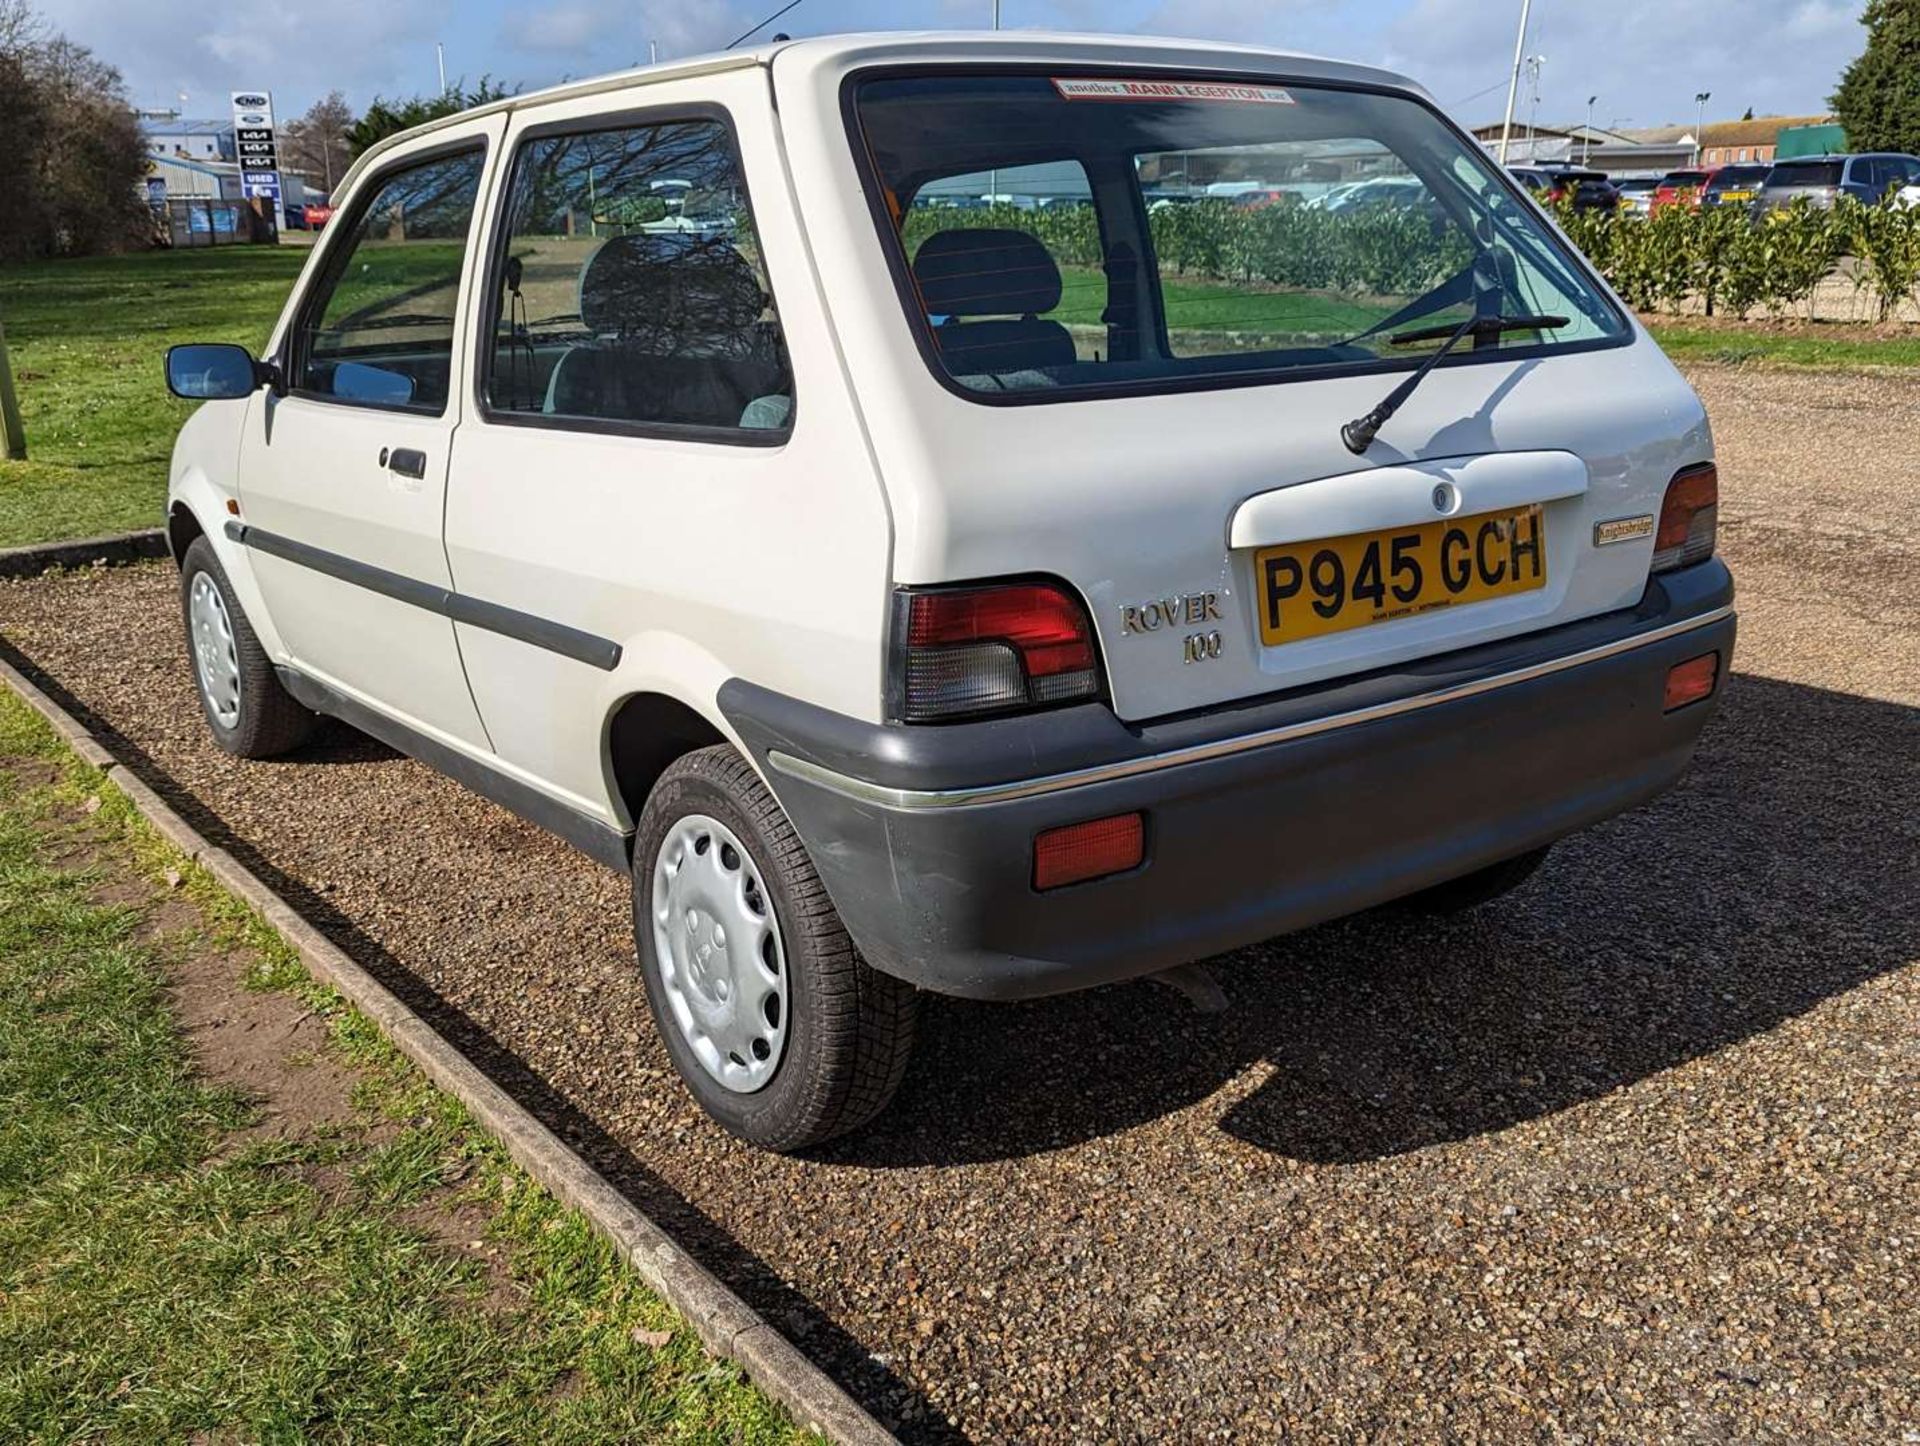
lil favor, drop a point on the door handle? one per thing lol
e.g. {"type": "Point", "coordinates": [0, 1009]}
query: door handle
{"type": "Point", "coordinates": [406, 461]}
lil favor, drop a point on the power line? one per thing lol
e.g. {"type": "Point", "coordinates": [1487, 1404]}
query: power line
{"type": "Point", "coordinates": [763, 24]}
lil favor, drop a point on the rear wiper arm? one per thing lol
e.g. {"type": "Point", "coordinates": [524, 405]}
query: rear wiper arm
{"type": "Point", "coordinates": [1359, 433]}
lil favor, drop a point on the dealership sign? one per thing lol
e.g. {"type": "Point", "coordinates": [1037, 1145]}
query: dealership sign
{"type": "Point", "coordinates": [254, 144]}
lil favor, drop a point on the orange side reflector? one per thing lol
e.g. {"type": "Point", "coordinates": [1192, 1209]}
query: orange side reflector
{"type": "Point", "coordinates": [1692, 680]}
{"type": "Point", "coordinates": [1092, 850]}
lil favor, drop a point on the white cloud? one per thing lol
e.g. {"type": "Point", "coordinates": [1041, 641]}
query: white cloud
{"type": "Point", "coordinates": [1644, 58]}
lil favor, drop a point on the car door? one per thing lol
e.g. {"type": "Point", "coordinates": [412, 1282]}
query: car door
{"type": "Point", "coordinates": [635, 485]}
{"type": "Point", "coordinates": [343, 471]}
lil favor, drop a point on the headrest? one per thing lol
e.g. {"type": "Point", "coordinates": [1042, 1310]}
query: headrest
{"type": "Point", "coordinates": [985, 272]}
{"type": "Point", "coordinates": [670, 288]}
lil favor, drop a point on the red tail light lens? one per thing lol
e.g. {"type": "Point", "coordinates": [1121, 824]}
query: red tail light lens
{"type": "Point", "coordinates": [962, 652]}
{"type": "Point", "coordinates": [1692, 680]}
{"type": "Point", "coordinates": [1689, 519]}
{"type": "Point", "coordinates": [1092, 850]}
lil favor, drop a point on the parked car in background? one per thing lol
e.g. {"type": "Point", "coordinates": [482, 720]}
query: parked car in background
{"type": "Point", "coordinates": [1680, 188]}
{"type": "Point", "coordinates": [1735, 185]}
{"type": "Point", "coordinates": [1591, 190]}
{"type": "Point", "coordinates": [1636, 194]}
{"type": "Point", "coordinates": [1032, 653]}
{"type": "Point", "coordinates": [1822, 180]}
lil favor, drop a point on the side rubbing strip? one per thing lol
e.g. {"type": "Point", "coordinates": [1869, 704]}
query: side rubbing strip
{"type": "Point", "coordinates": [596, 652]}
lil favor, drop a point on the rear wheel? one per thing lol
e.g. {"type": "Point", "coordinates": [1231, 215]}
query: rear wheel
{"type": "Point", "coordinates": [783, 1034]}
{"type": "Point", "coordinates": [1482, 886]}
{"type": "Point", "coordinates": [247, 710]}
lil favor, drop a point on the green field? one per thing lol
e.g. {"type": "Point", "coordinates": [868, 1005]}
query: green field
{"type": "Point", "coordinates": [88, 337]}
{"type": "Point", "coordinates": [171, 1270]}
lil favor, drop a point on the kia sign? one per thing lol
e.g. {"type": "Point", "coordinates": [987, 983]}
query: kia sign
{"type": "Point", "coordinates": [254, 145]}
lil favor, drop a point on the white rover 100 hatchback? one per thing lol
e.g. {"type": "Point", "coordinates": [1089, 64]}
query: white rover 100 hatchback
{"type": "Point", "coordinates": [988, 514]}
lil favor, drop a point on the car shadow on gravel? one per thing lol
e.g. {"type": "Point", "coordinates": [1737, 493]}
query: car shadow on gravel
{"type": "Point", "coordinates": [1778, 874]}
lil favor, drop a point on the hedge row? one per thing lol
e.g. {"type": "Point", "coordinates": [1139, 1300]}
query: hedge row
{"type": "Point", "coordinates": [1734, 264]}
{"type": "Point", "coordinates": [1718, 256]}
{"type": "Point", "coordinates": [1387, 253]}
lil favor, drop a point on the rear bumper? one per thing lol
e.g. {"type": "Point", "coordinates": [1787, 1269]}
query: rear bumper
{"type": "Point", "coordinates": [1261, 819]}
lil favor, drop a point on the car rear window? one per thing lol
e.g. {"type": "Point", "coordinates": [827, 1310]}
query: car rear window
{"type": "Point", "coordinates": [1736, 176]}
{"type": "Point", "coordinates": [1807, 173]}
{"type": "Point", "coordinates": [1063, 234]}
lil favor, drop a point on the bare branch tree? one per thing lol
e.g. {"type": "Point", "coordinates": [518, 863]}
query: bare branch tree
{"type": "Point", "coordinates": [316, 144]}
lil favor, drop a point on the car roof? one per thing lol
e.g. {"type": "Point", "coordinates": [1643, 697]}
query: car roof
{"type": "Point", "coordinates": [928, 47]}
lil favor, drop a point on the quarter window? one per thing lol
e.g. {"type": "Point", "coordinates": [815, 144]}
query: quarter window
{"type": "Point", "coordinates": [379, 328]}
{"type": "Point", "coordinates": [633, 291]}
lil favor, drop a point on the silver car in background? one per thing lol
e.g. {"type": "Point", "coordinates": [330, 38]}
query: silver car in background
{"type": "Point", "coordinates": [1823, 180]}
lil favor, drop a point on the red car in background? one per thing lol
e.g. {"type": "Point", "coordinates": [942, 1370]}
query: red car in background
{"type": "Point", "coordinates": [1681, 188]}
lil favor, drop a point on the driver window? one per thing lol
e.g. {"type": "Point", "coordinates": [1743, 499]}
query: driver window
{"type": "Point", "coordinates": [379, 328]}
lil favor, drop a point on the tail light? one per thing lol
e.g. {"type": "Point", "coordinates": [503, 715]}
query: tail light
{"type": "Point", "coordinates": [970, 651]}
{"type": "Point", "coordinates": [1688, 519]}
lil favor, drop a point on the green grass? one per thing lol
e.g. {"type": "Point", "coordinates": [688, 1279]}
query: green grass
{"type": "Point", "coordinates": [87, 340]}
{"type": "Point", "coordinates": [163, 1280]}
{"type": "Point", "coordinates": [1831, 347]}
{"type": "Point", "coordinates": [1204, 306]}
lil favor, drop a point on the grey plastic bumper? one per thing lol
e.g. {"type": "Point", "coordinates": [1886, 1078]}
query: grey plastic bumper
{"type": "Point", "coordinates": [1260, 819]}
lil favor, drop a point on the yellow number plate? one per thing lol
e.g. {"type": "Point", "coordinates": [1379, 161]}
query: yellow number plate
{"type": "Point", "coordinates": [1306, 589]}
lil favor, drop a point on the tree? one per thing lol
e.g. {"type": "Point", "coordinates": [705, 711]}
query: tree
{"type": "Point", "coordinates": [389, 117]}
{"type": "Point", "coordinates": [316, 144]}
{"type": "Point", "coordinates": [74, 158]}
{"type": "Point", "coordinates": [1878, 102]}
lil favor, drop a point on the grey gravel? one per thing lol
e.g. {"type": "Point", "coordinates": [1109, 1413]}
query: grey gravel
{"type": "Point", "coordinates": [1628, 1156]}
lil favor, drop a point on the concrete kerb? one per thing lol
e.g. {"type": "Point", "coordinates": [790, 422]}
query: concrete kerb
{"type": "Point", "coordinates": [727, 1325]}
{"type": "Point", "coordinates": [83, 552]}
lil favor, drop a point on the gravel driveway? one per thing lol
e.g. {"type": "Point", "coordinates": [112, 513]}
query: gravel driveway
{"type": "Point", "coordinates": [1632, 1155]}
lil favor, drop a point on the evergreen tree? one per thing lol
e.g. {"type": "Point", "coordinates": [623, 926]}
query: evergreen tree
{"type": "Point", "coordinates": [1879, 96]}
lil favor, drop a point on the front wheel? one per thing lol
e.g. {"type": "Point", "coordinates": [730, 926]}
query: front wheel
{"type": "Point", "coordinates": [247, 710]}
{"type": "Point", "coordinates": [783, 1034]}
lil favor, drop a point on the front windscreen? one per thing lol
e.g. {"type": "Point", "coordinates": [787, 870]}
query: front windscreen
{"type": "Point", "coordinates": [1070, 232]}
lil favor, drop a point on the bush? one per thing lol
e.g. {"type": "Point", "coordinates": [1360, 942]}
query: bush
{"type": "Point", "coordinates": [1719, 255]}
{"type": "Point", "coordinates": [1734, 264]}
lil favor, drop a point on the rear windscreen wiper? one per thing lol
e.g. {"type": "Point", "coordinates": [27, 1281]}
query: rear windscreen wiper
{"type": "Point", "coordinates": [1359, 433]}
{"type": "Point", "coordinates": [1479, 327]}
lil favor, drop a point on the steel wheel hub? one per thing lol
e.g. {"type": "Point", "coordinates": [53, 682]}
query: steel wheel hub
{"type": "Point", "coordinates": [721, 958]}
{"type": "Point", "coordinates": [216, 661]}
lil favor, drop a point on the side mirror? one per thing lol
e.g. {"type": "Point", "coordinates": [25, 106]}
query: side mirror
{"type": "Point", "coordinates": [214, 372]}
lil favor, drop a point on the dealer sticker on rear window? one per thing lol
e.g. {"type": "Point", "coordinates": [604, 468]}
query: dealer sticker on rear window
{"type": "Point", "coordinates": [1170, 90]}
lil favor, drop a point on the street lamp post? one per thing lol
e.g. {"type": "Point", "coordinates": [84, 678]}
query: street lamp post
{"type": "Point", "coordinates": [1586, 142]}
{"type": "Point", "coordinates": [1699, 131]}
{"type": "Point", "coordinates": [1513, 85]}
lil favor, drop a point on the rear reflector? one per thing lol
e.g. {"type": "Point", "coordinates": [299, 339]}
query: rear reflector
{"type": "Point", "coordinates": [1688, 519]}
{"type": "Point", "coordinates": [1692, 680]}
{"type": "Point", "coordinates": [1092, 850]}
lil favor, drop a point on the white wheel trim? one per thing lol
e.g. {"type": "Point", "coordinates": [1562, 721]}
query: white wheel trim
{"type": "Point", "coordinates": [722, 961]}
{"type": "Point", "coordinates": [216, 658]}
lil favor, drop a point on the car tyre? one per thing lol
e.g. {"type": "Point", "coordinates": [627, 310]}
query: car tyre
{"type": "Point", "coordinates": [1482, 886]}
{"type": "Point", "coordinates": [247, 710]}
{"type": "Point", "coordinates": [848, 1029]}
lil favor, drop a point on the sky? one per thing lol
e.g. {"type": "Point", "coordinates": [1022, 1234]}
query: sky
{"type": "Point", "coordinates": [1644, 59]}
